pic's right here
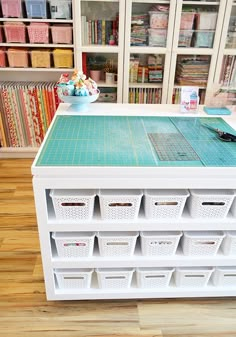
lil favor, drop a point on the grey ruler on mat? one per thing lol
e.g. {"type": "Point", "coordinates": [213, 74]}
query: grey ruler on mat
{"type": "Point", "coordinates": [172, 147]}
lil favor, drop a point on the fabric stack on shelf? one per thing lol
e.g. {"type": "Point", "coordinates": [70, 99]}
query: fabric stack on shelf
{"type": "Point", "coordinates": [155, 68]}
{"type": "Point", "coordinates": [228, 71]}
{"type": "Point", "coordinates": [139, 26]}
{"type": "Point", "coordinates": [26, 111]}
{"type": "Point", "coordinates": [192, 70]}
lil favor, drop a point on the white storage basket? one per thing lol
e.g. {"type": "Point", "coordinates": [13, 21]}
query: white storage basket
{"type": "Point", "coordinates": [229, 243]}
{"type": "Point", "coordinates": [210, 203]}
{"type": "Point", "coordinates": [74, 245]}
{"type": "Point", "coordinates": [159, 243]}
{"type": "Point", "coordinates": [164, 203]}
{"type": "Point", "coordinates": [73, 278]}
{"type": "Point", "coordinates": [114, 278]}
{"type": "Point", "coordinates": [233, 208]}
{"type": "Point", "coordinates": [192, 276]}
{"type": "Point", "coordinates": [224, 277]}
{"type": "Point", "coordinates": [73, 205]}
{"type": "Point", "coordinates": [153, 277]}
{"type": "Point", "coordinates": [201, 243]}
{"type": "Point", "coordinates": [120, 204]}
{"type": "Point", "coordinates": [117, 243]}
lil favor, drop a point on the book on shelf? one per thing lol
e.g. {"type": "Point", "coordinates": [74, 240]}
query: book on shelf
{"type": "Point", "coordinates": [145, 95]}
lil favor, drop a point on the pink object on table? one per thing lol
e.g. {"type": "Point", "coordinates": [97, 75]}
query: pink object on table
{"type": "Point", "coordinates": [11, 8]}
{"type": "Point", "coordinates": [38, 32]}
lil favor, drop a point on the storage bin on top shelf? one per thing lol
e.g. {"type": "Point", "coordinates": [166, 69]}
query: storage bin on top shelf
{"type": "Point", "coordinates": [15, 32]}
{"type": "Point", "coordinates": [73, 205]}
{"type": "Point", "coordinates": [40, 58]}
{"type": "Point", "coordinates": [11, 8]}
{"type": "Point", "coordinates": [74, 244]}
{"type": "Point", "coordinates": [63, 58]}
{"type": "Point", "coordinates": [120, 204]}
{"type": "Point", "coordinates": [61, 33]}
{"type": "Point", "coordinates": [158, 19]}
{"type": "Point", "coordinates": [18, 57]}
{"type": "Point", "coordinates": [206, 20]}
{"type": "Point", "coordinates": [38, 32]}
{"type": "Point", "coordinates": [210, 203]}
{"type": "Point", "coordinates": [162, 204]}
{"type": "Point", "coordinates": [36, 8]}
{"type": "Point", "coordinates": [74, 278]}
{"type": "Point", "coordinates": [60, 9]}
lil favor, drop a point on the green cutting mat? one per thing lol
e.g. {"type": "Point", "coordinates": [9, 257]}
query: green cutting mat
{"type": "Point", "coordinates": [124, 141]}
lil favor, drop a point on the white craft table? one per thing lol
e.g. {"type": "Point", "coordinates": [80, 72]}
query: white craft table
{"type": "Point", "coordinates": [50, 171]}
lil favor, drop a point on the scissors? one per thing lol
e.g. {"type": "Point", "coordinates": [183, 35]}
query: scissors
{"type": "Point", "coordinates": [225, 136]}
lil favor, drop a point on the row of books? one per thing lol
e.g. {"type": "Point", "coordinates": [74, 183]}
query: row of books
{"type": "Point", "coordinates": [228, 71]}
{"type": "Point", "coordinates": [26, 111]}
{"type": "Point", "coordinates": [177, 95]}
{"type": "Point", "coordinates": [146, 70]}
{"type": "Point", "coordinates": [145, 95]}
{"type": "Point", "coordinates": [192, 70]}
{"type": "Point", "coordinates": [100, 32]}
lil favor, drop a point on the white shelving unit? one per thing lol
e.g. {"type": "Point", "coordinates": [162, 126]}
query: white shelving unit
{"type": "Point", "coordinates": [98, 177]}
{"type": "Point", "coordinates": [103, 9]}
{"type": "Point", "coordinates": [211, 52]}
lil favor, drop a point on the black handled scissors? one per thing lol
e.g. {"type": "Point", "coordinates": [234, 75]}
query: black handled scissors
{"type": "Point", "coordinates": [225, 136]}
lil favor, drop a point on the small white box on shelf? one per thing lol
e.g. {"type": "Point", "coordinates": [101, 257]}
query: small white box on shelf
{"type": "Point", "coordinates": [192, 276]}
{"type": "Point", "coordinates": [159, 243]}
{"type": "Point", "coordinates": [74, 244]}
{"type": "Point", "coordinates": [114, 277]}
{"type": "Point", "coordinates": [229, 243]}
{"type": "Point", "coordinates": [120, 204]}
{"type": "Point", "coordinates": [164, 203]}
{"type": "Point", "coordinates": [201, 243]}
{"type": "Point", "coordinates": [224, 277]}
{"type": "Point", "coordinates": [210, 203]}
{"type": "Point", "coordinates": [73, 205]}
{"type": "Point", "coordinates": [73, 278]}
{"type": "Point", "coordinates": [117, 243]}
{"type": "Point", "coordinates": [153, 277]}
{"type": "Point", "coordinates": [60, 9]}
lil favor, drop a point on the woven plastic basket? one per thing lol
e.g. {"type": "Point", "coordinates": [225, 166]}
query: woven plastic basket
{"type": "Point", "coordinates": [117, 243]}
{"type": "Point", "coordinates": [201, 243]}
{"type": "Point", "coordinates": [229, 243]}
{"type": "Point", "coordinates": [73, 244]}
{"type": "Point", "coordinates": [116, 278]}
{"type": "Point", "coordinates": [159, 243]}
{"type": "Point", "coordinates": [73, 205]}
{"type": "Point", "coordinates": [224, 277]}
{"type": "Point", "coordinates": [153, 277]}
{"type": "Point", "coordinates": [192, 276]}
{"type": "Point", "coordinates": [73, 278]}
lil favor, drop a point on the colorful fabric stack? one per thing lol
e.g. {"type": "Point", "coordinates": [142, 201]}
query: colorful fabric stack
{"type": "Point", "coordinates": [26, 111]}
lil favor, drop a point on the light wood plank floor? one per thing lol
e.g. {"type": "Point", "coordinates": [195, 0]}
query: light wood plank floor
{"type": "Point", "coordinates": [24, 311]}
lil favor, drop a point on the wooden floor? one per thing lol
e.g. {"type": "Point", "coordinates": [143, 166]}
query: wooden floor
{"type": "Point", "coordinates": [25, 312]}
